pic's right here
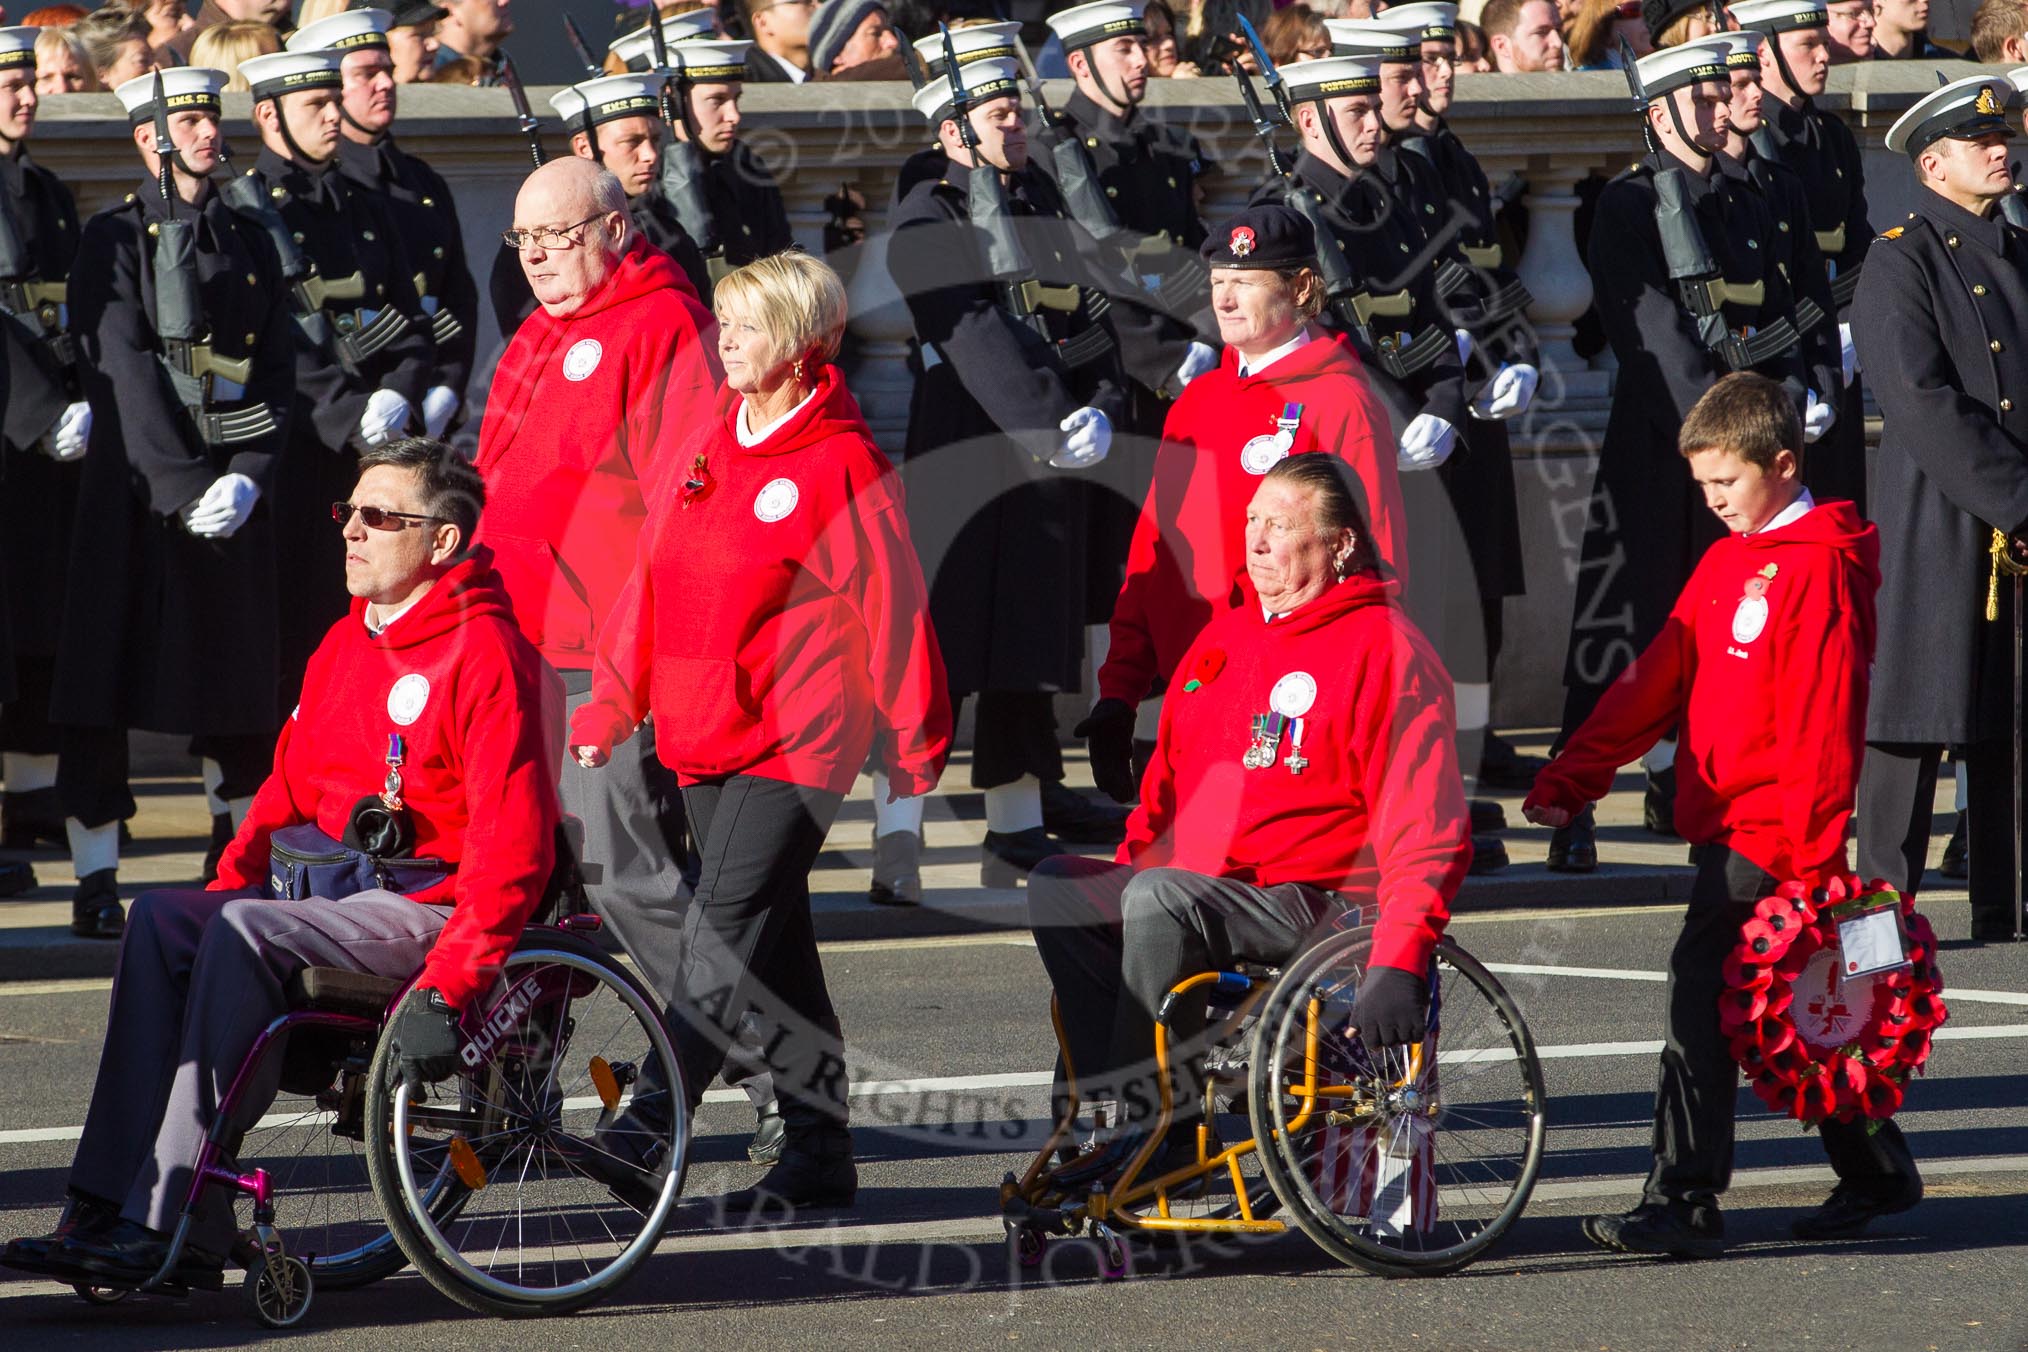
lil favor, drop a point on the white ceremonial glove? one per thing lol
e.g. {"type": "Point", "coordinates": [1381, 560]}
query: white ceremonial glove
{"type": "Point", "coordinates": [1202, 357]}
{"type": "Point", "coordinates": [1465, 348]}
{"type": "Point", "coordinates": [223, 509]}
{"type": "Point", "coordinates": [1087, 436]}
{"type": "Point", "coordinates": [1848, 353]}
{"type": "Point", "coordinates": [1508, 394]}
{"type": "Point", "coordinates": [66, 438]}
{"type": "Point", "coordinates": [1427, 443]}
{"type": "Point", "coordinates": [440, 404]}
{"type": "Point", "coordinates": [1817, 417]}
{"type": "Point", "coordinates": [386, 414]}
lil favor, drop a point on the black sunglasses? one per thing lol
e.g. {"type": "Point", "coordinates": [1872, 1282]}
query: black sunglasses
{"type": "Point", "coordinates": [378, 518]}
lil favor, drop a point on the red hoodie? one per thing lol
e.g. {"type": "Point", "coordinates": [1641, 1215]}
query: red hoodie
{"type": "Point", "coordinates": [482, 718]}
{"type": "Point", "coordinates": [1187, 561]}
{"type": "Point", "coordinates": [1765, 661]}
{"type": "Point", "coordinates": [1378, 810]}
{"type": "Point", "coordinates": [777, 625]}
{"type": "Point", "coordinates": [578, 408]}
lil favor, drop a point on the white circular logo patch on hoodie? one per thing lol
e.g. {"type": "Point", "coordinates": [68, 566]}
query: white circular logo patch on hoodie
{"type": "Point", "coordinates": [582, 359]}
{"type": "Point", "coordinates": [1294, 694]}
{"type": "Point", "coordinates": [776, 500]}
{"type": "Point", "coordinates": [405, 702]}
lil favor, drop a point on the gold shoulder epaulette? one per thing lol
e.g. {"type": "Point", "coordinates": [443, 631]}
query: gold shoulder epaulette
{"type": "Point", "coordinates": [1892, 232]}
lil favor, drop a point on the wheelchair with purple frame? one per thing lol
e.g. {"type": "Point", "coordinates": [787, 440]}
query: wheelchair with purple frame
{"type": "Point", "coordinates": [501, 1185]}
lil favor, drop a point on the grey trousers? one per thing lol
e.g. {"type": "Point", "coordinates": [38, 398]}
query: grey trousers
{"type": "Point", "coordinates": [200, 975]}
{"type": "Point", "coordinates": [1114, 941]}
{"type": "Point", "coordinates": [637, 876]}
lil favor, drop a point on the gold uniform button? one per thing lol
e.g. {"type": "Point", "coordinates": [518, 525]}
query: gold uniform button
{"type": "Point", "coordinates": [366, 235]}
{"type": "Point", "coordinates": [1952, 239]}
{"type": "Point", "coordinates": [2006, 406]}
{"type": "Point", "coordinates": [437, 252]}
{"type": "Point", "coordinates": [251, 339]}
{"type": "Point", "coordinates": [277, 194]}
{"type": "Point", "coordinates": [297, 236]}
{"type": "Point", "coordinates": [428, 202]}
{"type": "Point", "coordinates": [379, 290]}
{"type": "Point", "coordinates": [1995, 345]}
{"type": "Point", "coordinates": [1978, 288]}
{"type": "Point", "coordinates": [1172, 182]}
{"type": "Point", "coordinates": [154, 229]}
{"type": "Point", "coordinates": [1112, 192]}
{"type": "Point", "coordinates": [252, 280]}
{"type": "Point", "coordinates": [1091, 142]}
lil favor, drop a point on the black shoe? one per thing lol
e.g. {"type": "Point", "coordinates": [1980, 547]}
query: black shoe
{"type": "Point", "coordinates": [1955, 856]}
{"type": "Point", "coordinates": [1670, 1232]}
{"type": "Point", "coordinates": [1992, 929]}
{"type": "Point", "coordinates": [124, 1254]}
{"type": "Point", "coordinates": [31, 820]}
{"type": "Point", "coordinates": [815, 1171]}
{"type": "Point", "coordinates": [897, 871]}
{"type": "Point", "coordinates": [1069, 815]}
{"type": "Point", "coordinates": [16, 877]}
{"type": "Point", "coordinates": [1850, 1210]}
{"type": "Point", "coordinates": [1007, 858]}
{"type": "Point", "coordinates": [1489, 855]}
{"type": "Point", "coordinates": [768, 1135]}
{"type": "Point", "coordinates": [1658, 807]}
{"type": "Point", "coordinates": [85, 1217]}
{"type": "Point", "coordinates": [1574, 848]}
{"type": "Point", "coordinates": [1488, 817]}
{"type": "Point", "coordinates": [221, 836]}
{"type": "Point", "coordinates": [95, 911]}
{"type": "Point", "coordinates": [1502, 767]}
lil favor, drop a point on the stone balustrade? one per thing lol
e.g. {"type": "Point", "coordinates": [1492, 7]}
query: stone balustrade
{"type": "Point", "coordinates": [1554, 129]}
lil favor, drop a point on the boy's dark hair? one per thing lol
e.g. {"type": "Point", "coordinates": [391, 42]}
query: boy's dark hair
{"type": "Point", "coordinates": [1747, 414]}
{"type": "Point", "coordinates": [451, 489]}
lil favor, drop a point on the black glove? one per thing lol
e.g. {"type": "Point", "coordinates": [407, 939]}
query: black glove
{"type": "Point", "coordinates": [1392, 1008]}
{"type": "Point", "coordinates": [426, 1039]}
{"type": "Point", "coordinates": [1109, 731]}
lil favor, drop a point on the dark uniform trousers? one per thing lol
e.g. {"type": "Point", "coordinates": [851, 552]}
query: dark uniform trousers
{"type": "Point", "coordinates": [1897, 793]}
{"type": "Point", "coordinates": [1699, 1085]}
{"type": "Point", "coordinates": [1114, 940]}
{"type": "Point", "coordinates": [200, 975]}
{"type": "Point", "coordinates": [91, 772]}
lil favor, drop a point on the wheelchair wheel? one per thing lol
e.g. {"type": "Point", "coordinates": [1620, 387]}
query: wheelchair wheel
{"type": "Point", "coordinates": [548, 1125]}
{"type": "Point", "coordinates": [1400, 1166]}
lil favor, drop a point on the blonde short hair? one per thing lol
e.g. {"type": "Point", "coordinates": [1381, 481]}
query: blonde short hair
{"type": "Point", "coordinates": [313, 10]}
{"type": "Point", "coordinates": [223, 46]}
{"type": "Point", "coordinates": [796, 299]}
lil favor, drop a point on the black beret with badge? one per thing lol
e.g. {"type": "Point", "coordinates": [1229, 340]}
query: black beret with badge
{"type": "Point", "coordinates": [1269, 236]}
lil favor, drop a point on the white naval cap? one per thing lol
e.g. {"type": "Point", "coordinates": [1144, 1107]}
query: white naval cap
{"type": "Point", "coordinates": [1780, 16]}
{"type": "Point", "coordinates": [992, 78]}
{"type": "Point", "coordinates": [1742, 49]}
{"type": "Point", "coordinates": [277, 73]}
{"type": "Point", "coordinates": [636, 50]}
{"type": "Point", "coordinates": [1083, 25]}
{"type": "Point", "coordinates": [1383, 39]}
{"type": "Point", "coordinates": [347, 31]}
{"type": "Point", "coordinates": [1962, 109]}
{"type": "Point", "coordinates": [1432, 20]}
{"type": "Point", "coordinates": [17, 46]}
{"type": "Point", "coordinates": [2018, 77]}
{"type": "Point", "coordinates": [183, 88]}
{"type": "Point", "coordinates": [719, 61]}
{"type": "Point", "coordinates": [979, 42]}
{"type": "Point", "coordinates": [1332, 77]}
{"type": "Point", "coordinates": [1699, 61]}
{"type": "Point", "coordinates": [609, 98]}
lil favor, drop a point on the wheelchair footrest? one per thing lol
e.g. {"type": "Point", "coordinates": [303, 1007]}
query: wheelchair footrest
{"type": "Point", "coordinates": [340, 990]}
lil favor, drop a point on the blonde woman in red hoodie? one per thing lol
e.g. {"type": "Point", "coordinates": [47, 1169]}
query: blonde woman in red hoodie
{"type": "Point", "coordinates": [776, 625]}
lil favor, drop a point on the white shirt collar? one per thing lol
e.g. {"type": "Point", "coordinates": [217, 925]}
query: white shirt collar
{"type": "Point", "coordinates": [796, 72]}
{"type": "Point", "coordinates": [1795, 511]}
{"type": "Point", "coordinates": [744, 429]}
{"type": "Point", "coordinates": [1302, 339]}
{"type": "Point", "coordinates": [376, 630]}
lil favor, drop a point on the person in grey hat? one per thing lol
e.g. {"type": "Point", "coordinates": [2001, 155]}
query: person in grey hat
{"type": "Point", "coordinates": [848, 33]}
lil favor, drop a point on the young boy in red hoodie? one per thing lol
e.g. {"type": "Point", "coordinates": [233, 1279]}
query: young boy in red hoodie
{"type": "Point", "coordinates": [1763, 665]}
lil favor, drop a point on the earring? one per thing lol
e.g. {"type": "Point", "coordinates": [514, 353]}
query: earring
{"type": "Point", "coordinates": [1338, 569]}
{"type": "Point", "coordinates": [799, 369]}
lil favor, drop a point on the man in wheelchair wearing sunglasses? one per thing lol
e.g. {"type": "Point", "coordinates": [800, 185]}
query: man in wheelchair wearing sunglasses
{"type": "Point", "coordinates": [1305, 766]}
{"type": "Point", "coordinates": [422, 758]}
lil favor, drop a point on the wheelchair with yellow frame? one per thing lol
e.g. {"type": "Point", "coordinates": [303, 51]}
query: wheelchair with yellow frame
{"type": "Point", "coordinates": [1405, 1161]}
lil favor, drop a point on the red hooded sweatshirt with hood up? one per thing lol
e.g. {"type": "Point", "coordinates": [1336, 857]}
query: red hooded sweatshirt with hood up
{"type": "Point", "coordinates": [1376, 808]}
{"type": "Point", "coordinates": [1187, 560]}
{"type": "Point", "coordinates": [580, 407]}
{"type": "Point", "coordinates": [776, 622]}
{"type": "Point", "coordinates": [482, 722]}
{"type": "Point", "coordinates": [1765, 662]}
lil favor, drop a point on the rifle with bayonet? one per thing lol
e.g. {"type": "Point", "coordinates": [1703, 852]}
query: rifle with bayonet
{"type": "Point", "coordinates": [986, 196]}
{"type": "Point", "coordinates": [524, 116]}
{"type": "Point", "coordinates": [1701, 287]}
{"type": "Point", "coordinates": [680, 172]}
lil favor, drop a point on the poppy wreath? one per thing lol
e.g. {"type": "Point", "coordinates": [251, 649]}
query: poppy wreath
{"type": "Point", "coordinates": [1813, 1044]}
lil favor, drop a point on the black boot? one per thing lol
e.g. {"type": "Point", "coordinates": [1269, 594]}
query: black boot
{"type": "Point", "coordinates": [1489, 855]}
{"type": "Point", "coordinates": [84, 1217]}
{"type": "Point", "coordinates": [815, 1171]}
{"type": "Point", "coordinates": [897, 870]}
{"type": "Point", "coordinates": [1956, 857]}
{"type": "Point", "coordinates": [1069, 815]}
{"type": "Point", "coordinates": [1007, 858]}
{"type": "Point", "coordinates": [1852, 1208]}
{"type": "Point", "coordinates": [16, 877]}
{"type": "Point", "coordinates": [1658, 808]}
{"type": "Point", "coordinates": [1673, 1231]}
{"type": "Point", "coordinates": [1502, 767]}
{"type": "Point", "coordinates": [95, 911]}
{"type": "Point", "coordinates": [1574, 848]}
{"type": "Point", "coordinates": [124, 1254]}
{"type": "Point", "coordinates": [30, 820]}
{"type": "Point", "coordinates": [221, 836]}
{"type": "Point", "coordinates": [1488, 817]}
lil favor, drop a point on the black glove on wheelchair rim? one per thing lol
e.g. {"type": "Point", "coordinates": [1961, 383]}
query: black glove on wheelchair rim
{"type": "Point", "coordinates": [1391, 1008]}
{"type": "Point", "coordinates": [426, 1039]}
{"type": "Point", "coordinates": [1108, 731]}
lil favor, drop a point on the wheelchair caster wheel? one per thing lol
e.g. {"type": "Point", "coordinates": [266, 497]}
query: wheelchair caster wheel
{"type": "Point", "coordinates": [1116, 1261]}
{"type": "Point", "coordinates": [101, 1295]}
{"type": "Point", "coordinates": [1028, 1246]}
{"type": "Point", "coordinates": [280, 1291]}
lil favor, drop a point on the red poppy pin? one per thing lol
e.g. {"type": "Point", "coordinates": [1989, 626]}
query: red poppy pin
{"type": "Point", "coordinates": [1209, 663]}
{"type": "Point", "coordinates": [1242, 241]}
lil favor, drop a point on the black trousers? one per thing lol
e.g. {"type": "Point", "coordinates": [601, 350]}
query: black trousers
{"type": "Point", "coordinates": [1897, 794]}
{"type": "Point", "coordinates": [1114, 940]}
{"type": "Point", "coordinates": [91, 772]}
{"type": "Point", "coordinates": [24, 720]}
{"type": "Point", "coordinates": [1014, 734]}
{"type": "Point", "coordinates": [1699, 1082]}
{"type": "Point", "coordinates": [748, 943]}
